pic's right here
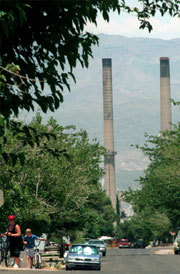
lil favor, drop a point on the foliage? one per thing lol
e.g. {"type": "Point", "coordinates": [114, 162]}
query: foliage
{"type": "Point", "coordinates": [55, 195]}
{"type": "Point", "coordinates": [42, 41]}
{"type": "Point", "coordinates": [159, 196]}
{"type": "Point", "coordinates": [118, 214]}
{"type": "Point", "coordinates": [147, 9]}
{"type": "Point", "coordinates": [134, 229]}
{"type": "Point", "coordinates": [39, 39]}
{"type": "Point", "coordinates": [26, 135]}
{"type": "Point", "coordinates": [96, 224]}
{"type": "Point", "coordinates": [146, 226]}
{"type": "Point", "coordinates": [79, 238]}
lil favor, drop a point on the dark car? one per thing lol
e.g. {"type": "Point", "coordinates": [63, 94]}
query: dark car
{"type": "Point", "coordinates": [83, 256]}
{"type": "Point", "coordinates": [139, 244]}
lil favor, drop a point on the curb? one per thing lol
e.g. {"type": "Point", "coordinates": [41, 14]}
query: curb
{"type": "Point", "coordinates": [25, 269]}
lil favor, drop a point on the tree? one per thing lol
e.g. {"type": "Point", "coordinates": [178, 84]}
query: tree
{"type": "Point", "coordinates": [58, 195]}
{"type": "Point", "coordinates": [145, 225]}
{"type": "Point", "coordinates": [38, 38]}
{"type": "Point", "coordinates": [160, 187]}
{"type": "Point", "coordinates": [147, 9]}
{"type": "Point", "coordinates": [42, 41]}
{"type": "Point", "coordinates": [99, 224]}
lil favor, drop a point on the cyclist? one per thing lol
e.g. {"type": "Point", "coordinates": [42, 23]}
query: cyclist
{"type": "Point", "coordinates": [13, 232]}
{"type": "Point", "coordinates": [29, 241]}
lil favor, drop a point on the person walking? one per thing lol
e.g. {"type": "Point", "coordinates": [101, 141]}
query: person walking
{"type": "Point", "coordinates": [29, 241]}
{"type": "Point", "coordinates": [13, 232]}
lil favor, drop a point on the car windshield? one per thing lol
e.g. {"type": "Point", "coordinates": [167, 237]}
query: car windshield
{"type": "Point", "coordinates": [96, 242]}
{"type": "Point", "coordinates": [81, 249]}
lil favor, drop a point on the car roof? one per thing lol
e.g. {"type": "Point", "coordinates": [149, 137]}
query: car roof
{"type": "Point", "coordinates": [95, 240]}
{"type": "Point", "coordinates": [84, 245]}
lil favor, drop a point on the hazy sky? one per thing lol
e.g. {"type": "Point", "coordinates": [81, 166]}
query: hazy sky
{"type": "Point", "coordinates": [124, 24]}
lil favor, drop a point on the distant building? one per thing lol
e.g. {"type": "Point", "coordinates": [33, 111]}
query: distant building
{"type": "Point", "coordinates": [126, 210]}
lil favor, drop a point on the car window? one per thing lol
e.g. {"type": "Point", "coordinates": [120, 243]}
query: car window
{"type": "Point", "coordinates": [87, 250]}
{"type": "Point", "coordinates": [96, 242]}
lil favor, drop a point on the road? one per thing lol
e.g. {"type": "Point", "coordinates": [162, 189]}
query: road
{"type": "Point", "coordinates": [127, 261]}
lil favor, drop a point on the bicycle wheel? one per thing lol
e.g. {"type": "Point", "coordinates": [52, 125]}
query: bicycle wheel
{"type": "Point", "coordinates": [7, 258]}
{"type": "Point", "coordinates": [37, 261]}
{"type": "Point", "coordinates": [1, 255]}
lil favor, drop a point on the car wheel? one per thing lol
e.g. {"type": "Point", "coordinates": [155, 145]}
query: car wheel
{"type": "Point", "coordinates": [104, 254]}
{"type": "Point", "coordinates": [176, 252]}
{"type": "Point", "coordinates": [99, 268]}
{"type": "Point", "coordinates": [67, 267]}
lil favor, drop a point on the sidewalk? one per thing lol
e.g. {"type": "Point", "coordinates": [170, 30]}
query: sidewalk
{"type": "Point", "coordinates": [23, 265]}
{"type": "Point", "coordinates": [163, 250]}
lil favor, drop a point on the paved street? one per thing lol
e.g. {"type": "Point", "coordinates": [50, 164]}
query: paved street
{"type": "Point", "coordinates": [129, 261]}
{"type": "Point", "coordinates": [140, 261]}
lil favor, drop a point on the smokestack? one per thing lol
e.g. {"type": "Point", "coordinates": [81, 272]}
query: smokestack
{"type": "Point", "coordinates": [110, 184]}
{"type": "Point", "coordinates": [165, 94]}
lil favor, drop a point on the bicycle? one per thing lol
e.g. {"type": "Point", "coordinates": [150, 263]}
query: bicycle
{"type": "Point", "coordinates": [37, 257]}
{"type": "Point", "coordinates": [4, 251]}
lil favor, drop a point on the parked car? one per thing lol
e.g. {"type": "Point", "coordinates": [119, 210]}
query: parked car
{"type": "Point", "coordinates": [124, 243]}
{"type": "Point", "coordinates": [83, 256]}
{"type": "Point", "coordinates": [100, 244]}
{"type": "Point", "coordinates": [176, 245]}
{"type": "Point", "coordinates": [139, 244]}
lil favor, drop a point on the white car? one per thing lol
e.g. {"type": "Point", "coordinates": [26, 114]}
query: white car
{"type": "Point", "coordinates": [176, 245]}
{"type": "Point", "coordinates": [83, 256]}
{"type": "Point", "coordinates": [100, 245]}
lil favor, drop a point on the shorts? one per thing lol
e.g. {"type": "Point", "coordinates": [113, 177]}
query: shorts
{"type": "Point", "coordinates": [30, 252]}
{"type": "Point", "coordinates": [15, 251]}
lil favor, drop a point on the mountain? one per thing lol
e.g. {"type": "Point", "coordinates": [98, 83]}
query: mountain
{"type": "Point", "coordinates": [136, 97]}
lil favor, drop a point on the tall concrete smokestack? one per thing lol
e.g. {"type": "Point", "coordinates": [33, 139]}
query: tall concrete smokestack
{"type": "Point", "coordinates": [110, 184]}
{"type": "Point", "coordinates": [165, 94]}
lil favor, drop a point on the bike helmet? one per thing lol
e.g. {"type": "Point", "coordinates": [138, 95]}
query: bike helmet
{"type": "Point", "coordinates": [11, 218]}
